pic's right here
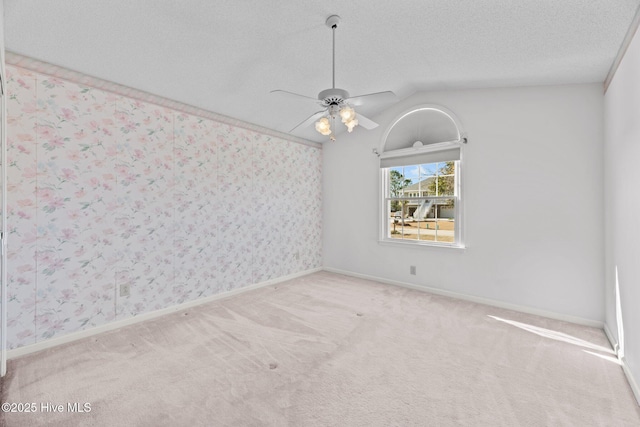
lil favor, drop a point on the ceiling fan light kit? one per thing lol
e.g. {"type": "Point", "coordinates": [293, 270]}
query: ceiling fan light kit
{"type": "Point", "coordinates": [337, 102]}
{"type": "Point", "coordinates": [323, 126]}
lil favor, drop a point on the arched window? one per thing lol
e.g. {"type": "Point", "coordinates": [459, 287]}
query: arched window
{"type": "Point", "coordinates": [421, 169]}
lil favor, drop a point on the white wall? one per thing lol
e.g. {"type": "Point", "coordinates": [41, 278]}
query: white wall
{"type": "Point", "coordinates": [622, 196]}
{"type": "Point", "coordinates": [536, 152]}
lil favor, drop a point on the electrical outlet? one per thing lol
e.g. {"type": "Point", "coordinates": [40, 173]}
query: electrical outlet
{"type": "Point", "coordinates": [125, 290]}
{"type": "Point", "coordinates": [412, 270]}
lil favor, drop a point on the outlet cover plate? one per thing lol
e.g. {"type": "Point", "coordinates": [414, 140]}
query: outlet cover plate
{"type": "Point", "coordinates": [125, 290]}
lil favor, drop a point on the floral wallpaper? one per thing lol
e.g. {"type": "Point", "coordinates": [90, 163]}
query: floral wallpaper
{"type": "Point", "coordinates": [105, 190]}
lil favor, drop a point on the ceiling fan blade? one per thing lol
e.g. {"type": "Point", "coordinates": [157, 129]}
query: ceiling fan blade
{"type": "Point", "coordinates": [366, 122]}
{"type": "Point", "coordinates": [312, 118]}
{"type": "Point", "coordinates": [293, 95]}
{"type": "Point", "coordinates": [378, 97]}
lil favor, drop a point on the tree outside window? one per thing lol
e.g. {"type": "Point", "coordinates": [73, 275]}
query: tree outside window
{"type": "Point", "coordinates": [397, 183]}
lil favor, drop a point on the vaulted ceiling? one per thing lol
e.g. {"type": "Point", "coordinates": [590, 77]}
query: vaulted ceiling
{"type": "Point", "coordinates": [226, 56]}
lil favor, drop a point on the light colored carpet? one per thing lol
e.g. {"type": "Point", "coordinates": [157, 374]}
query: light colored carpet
{"type": "Point", "coordinates": [330, 350]}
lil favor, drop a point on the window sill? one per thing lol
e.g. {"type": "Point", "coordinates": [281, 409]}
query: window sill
{"type": "Point", "coordinates": [414, 244]}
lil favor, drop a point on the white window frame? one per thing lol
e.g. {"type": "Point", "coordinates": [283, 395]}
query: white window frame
{"type": "Point", "coordinates": [384, 223]}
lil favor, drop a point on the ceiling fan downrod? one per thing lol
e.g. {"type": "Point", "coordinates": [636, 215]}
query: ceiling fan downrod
{"type": "Point", "coordinates": [332, 22]}
{"type": "Point", "coordinates": [333, 96]}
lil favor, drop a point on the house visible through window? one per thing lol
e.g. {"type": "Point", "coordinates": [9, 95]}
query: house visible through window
{"type": "Point", "coordinates": [421, 202]}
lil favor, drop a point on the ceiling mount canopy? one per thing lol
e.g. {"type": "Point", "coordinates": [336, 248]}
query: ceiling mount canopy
{"type": "Point", "coordinates": [336, 102]}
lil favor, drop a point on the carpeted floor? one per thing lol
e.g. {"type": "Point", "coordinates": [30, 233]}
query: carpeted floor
{"type": "Point", "coordinates": [329, 350]}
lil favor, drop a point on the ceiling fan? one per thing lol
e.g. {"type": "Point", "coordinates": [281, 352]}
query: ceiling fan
{"type": "Point", "coordinates": [337, 102]}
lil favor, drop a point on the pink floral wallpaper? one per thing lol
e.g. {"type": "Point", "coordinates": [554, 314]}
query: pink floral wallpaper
{"type": "Point", "coordinates": [105, 190]}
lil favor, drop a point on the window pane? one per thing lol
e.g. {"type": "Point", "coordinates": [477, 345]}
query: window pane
{"type": "Point", "coordinates": [446, 168]}
{"type": "Point", "coordinates": [412, 173]}
{"type": "Point", "coordinates": [444, 222]}
{"type": "Point", "coordinates": [397, 182]}
{"type": "Point", "coordinates": [396, 213]}
{"type": "Point", "coordinates": [395, 206]}
{"type": "Point", "coordinates": [427, 179]}
{"type": "Point", "coordinates": [429, 169]}
{"type": "Point", "coordinates": [446, 185]}
{"type": "Point", "coordinates": [428, 187]}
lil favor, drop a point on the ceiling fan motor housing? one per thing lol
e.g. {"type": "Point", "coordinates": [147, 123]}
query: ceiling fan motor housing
{"type": "Point", "coordinates": [333, 96]}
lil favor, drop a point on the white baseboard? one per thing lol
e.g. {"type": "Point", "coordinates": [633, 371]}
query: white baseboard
{"type": "Point", "coordinates": [612, 340]}
{"type": "Point", "coordinates": [74, 336]}
{"type": "Point", "coordinates": [625, 367]}
{"type": "Point", "coordinates": [632, 381]}
{"type": "Point", "coordinates": [480, 300]}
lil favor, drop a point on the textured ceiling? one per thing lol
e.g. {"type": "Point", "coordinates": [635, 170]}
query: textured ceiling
{"type": "Point", "coordinates": [225, 56]}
